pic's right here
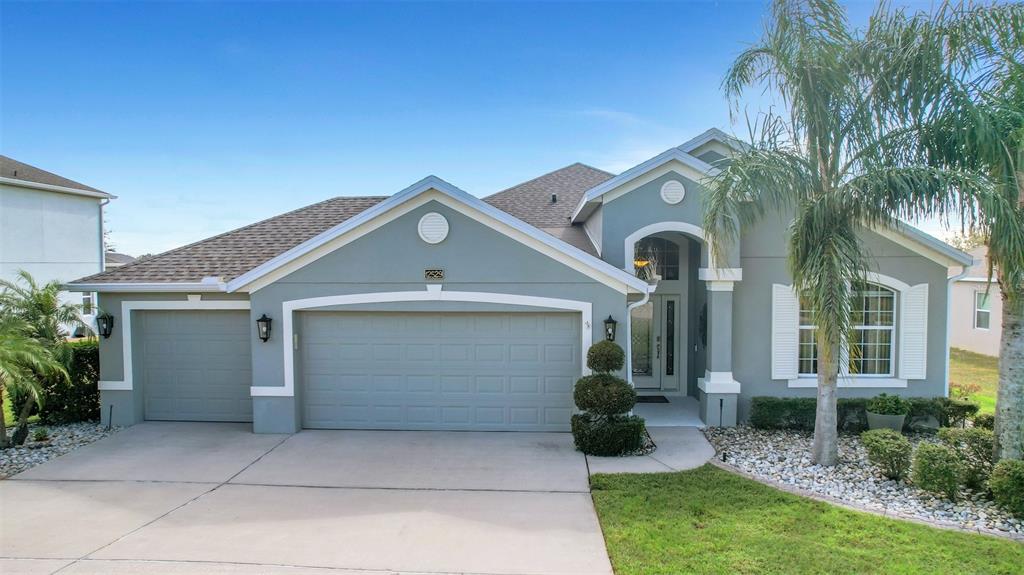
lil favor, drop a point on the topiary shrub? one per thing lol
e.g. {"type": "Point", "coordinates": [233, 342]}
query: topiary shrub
{"type": "Point", "coordinates": [889, 451]}
{"type": "Point", "coordinates": [937, 469]}
{"type": "Point", "coordinates": [984, 421]}
{"type": "Point", "coordinates": [1007, 485]}
{"type": "Point", "coordinates": [607, 436]}
{"type": "Point", "coordinates": [975, 447]}
{"type": "Point", "coordinates": [605, 357]}
{"type": "Point", "coordinates": [604, 394]}
{"type": "Point", "coordinates": [603, 428]}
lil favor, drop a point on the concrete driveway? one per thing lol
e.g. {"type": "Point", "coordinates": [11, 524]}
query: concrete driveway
{"type": "Point", "coordinates": [215, 498]}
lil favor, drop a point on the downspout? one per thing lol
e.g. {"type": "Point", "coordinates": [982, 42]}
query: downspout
{"type": "Point", "coordinates": [629, 337]}
{"type": "Point", "coordinates": [964, 270]}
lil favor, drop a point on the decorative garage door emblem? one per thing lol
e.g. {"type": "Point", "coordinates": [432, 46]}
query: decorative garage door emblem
{"type": "Point", "coordinates": [433, 228]}
{"type": "Point", "coordinates": [673, 192]}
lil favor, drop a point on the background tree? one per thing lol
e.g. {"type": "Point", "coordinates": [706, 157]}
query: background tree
{"type": "Point", "coordinates": [830, 163]}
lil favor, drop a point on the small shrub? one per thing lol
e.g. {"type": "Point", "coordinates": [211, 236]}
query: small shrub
{"type": "Point", "coordinates": [957, 411]}
{"type": "Point", "coordinates": [985, 421]}
{"type": "Point", "coordinates": [885, 404]}
{"type": "Point", "coordinates": [607, 435]}
{"type": "Point", "coordinates": [1007, 485]}
{"type": "Point", "coordinates": [974, 446]}
{"type": "Point", "coordinates": [795, 413]}
{"type": "Point", "coordinates": [889, 451]}
{"type": "Point", "coordinates": [604, 394]}
{"type": "Point", "coordinates": [40, 434]}
{"type": "Point", "coordinates": [937, 469]}
{"type": "Point", "coordinates": [605, 357]}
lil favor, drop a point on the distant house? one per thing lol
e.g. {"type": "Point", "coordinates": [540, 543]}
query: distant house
{"type": "Point", "coordinates": [976, 306]}
{"type": "Point", "coordinates": [50, 226]}
{"type": "Point", "coordinates": [116, 260]}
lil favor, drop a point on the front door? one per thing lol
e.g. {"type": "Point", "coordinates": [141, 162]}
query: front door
{"type": "Point", "coordinates": [655, 333]}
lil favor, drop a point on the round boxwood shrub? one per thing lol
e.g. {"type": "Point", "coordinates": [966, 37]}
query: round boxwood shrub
{"type": "Point", "coordinates": [605, 357]}
{"type": "Point", "coordinates": [985, 421]}
{"type": "Point", "coordinates": [937, 469]}
{"type": "Point", "coordinates": [604, 394]}
{"type": "Point", "coordinates": [889, 451]}
{"type": "Point", "coordinates": [595, 435]}
{"type": "Point", "coordinates": [1007, 485]}
{"type": "Point", "coordinates": [975, 446]}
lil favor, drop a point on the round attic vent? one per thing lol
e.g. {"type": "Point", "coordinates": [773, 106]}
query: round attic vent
{"type": "Point", "coordinates": [433, 228]}
{"type": "Point", "coordinates": [673, 192]}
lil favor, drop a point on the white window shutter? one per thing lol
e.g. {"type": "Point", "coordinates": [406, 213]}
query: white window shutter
{"type": "Point", "coordinates": [913, 327]}
{"type": "Point", "coordinates": [785, 332]}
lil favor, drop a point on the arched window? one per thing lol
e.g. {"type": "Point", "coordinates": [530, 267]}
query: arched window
{"type": "Point", "coordinates": [871, 346]}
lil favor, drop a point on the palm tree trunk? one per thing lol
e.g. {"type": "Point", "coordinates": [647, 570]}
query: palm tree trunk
{"type": "Point", "coordinates": [1009, 430]}
{"type": "Point", "coordinates": [3, 420]}
{"type": "Point", "coordinates": [21, 432]}
{"type": "Point", "coordinates": [825, 450]}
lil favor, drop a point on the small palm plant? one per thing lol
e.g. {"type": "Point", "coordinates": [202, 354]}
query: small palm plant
{"type": "Point", "coordinates": [23, 359]}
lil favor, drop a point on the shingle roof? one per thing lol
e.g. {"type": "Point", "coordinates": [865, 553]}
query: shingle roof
{"type": "Point", "coordinates": [11, 168]}
{"type": "Point", "coordinates": [233, 253]}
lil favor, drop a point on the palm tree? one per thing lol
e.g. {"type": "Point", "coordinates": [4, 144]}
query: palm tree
{"type": "Point", "coordinates": [46, 319]}
{"type": "Point", "coordinates": [960, 76]}
{"type": "Point", "coordinates": [22, 360]}
{"type": "Point", "coordinates": [829, 161]}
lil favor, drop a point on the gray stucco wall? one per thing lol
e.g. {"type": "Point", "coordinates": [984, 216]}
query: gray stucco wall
{"type": "Point", "coordinates": [763, 259]}
{"type": "Point", "coordinates": [474, 258]}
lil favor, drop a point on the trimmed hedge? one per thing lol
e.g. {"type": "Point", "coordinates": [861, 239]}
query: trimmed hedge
{"type": "Point", "coordinates": [975, 447]}
{"type": "Point", "coordinates": [604, 394]}
{"type": "Point", "coordinates": [797, 413]}
{"type": "Point", "coordinates": [607, 436]}
{"type": "Point", "coordinates": [937, 469]}
{"type": "Point", "coordinates": [1007, 485]}
{"type": "Point", "coordinates": [77, 400]}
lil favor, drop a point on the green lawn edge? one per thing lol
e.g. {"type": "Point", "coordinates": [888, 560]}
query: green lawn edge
{"type": "Point", "coordinates": [709, 520]}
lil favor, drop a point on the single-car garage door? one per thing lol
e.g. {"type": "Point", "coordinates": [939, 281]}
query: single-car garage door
{"type": "Point", "coordinates": [194, 365]}
{"type": "Point", "coordinates": [478, 371]}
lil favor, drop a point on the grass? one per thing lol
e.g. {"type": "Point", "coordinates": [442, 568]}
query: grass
{"type": "Point", "coordinates": [711, 521]}
{"type": "Point", "coordinates": [966, 367]}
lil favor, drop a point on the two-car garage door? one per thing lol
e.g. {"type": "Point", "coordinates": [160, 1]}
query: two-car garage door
{"type": "Point", "coordinates": [457, 371]}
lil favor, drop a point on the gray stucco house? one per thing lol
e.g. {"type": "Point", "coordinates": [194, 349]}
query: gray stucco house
{"type": "Point", "coordinates": [434, 309]}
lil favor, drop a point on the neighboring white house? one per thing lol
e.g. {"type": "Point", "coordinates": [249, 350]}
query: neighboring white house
{"type": "Point", "coordinates": [976, 307]}
{"type": "Point", "coordinates": [50, 226]}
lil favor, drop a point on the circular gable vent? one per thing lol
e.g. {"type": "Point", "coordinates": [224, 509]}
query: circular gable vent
{"type": "Point", "coordinates": [433, 228]}
{"type": "Point", "coordinates": [673, 192]}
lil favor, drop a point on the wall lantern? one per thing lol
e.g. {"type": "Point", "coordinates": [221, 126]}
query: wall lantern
{"type": "Point", "coordinates": [263, 327]}
{"type": "Point", "coordinates": [105, 324]}
{"type": "Point", "coordinates": [609, 328]}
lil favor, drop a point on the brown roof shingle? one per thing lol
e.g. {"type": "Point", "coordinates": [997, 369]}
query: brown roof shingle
{"type": "Point", "coordinates": [11, 168]}
{"type": "Point", "coordinates": [233, 253]}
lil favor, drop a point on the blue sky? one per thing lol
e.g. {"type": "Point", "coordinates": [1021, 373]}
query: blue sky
{"type": "Point", "coordinates": [203, 117]}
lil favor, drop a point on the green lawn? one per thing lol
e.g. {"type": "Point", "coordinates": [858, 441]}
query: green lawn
{"type": "Point", "coordinates": [712, 521]}
{"type": "Point", "coordinates": [967, 367]}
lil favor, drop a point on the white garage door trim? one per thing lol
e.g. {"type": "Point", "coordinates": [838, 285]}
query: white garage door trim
{"type": "Point", "coordinates": [194, 302]}
{"type": "Point", "coordinates": [432, 293]}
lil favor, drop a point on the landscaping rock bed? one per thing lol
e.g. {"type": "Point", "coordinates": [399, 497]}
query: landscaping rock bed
{"type": "Point", "coordinates": [63, 438]}
{"type": "Point", "coordinates": [783, 457]}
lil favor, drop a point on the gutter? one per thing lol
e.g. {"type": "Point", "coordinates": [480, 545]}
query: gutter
{"type": "Point", "coordinates": [208, 285]}
{"type": "Point", "coordinates": [964, 270]}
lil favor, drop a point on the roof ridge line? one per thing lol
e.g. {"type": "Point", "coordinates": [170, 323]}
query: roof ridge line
{"type": "Point", "coordinates": [544, 175]}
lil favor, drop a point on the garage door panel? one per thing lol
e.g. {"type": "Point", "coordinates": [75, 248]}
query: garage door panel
{"type": "Point", "coordinates": [495, 371]}
{"type": "Point", "coordinates": [195, 365]}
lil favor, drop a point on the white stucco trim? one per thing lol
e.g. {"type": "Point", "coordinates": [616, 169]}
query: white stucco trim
{"type": "Point", "coordinates": [629, 244]}
{"type": "Point", "coordinates": [55, 188]}
{"type": "Point", "coordinates": [852, 382]}
{"type": "Point", "coordinates": [594, 242]}
{"type": "Point", "coordinates": [719, 285]}
{"type": "Point", "coordinates": [434, 189]}
{"type": "Point", "coordinates": [127, 307]}
{"type": "Point", "coordinates": [718, 382]}
{"type": "Point", "coordinates": [712, 135]}
{"type": "Point", "coordinates": [720, 274]}
{"type": "Point", "coordinates": [432, 293]}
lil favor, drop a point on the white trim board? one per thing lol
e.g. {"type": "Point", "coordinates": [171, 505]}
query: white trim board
{"type": "Point", "coordinates": [432, 293]}
{"type": "Point", "coordinates": [434, 189]}
{"type": "Point", "coordinates": [55, 188]}
{"type": "Point", "coordinates": [629, 244]}
{"type": "Point", "coordinates": [127, 307]}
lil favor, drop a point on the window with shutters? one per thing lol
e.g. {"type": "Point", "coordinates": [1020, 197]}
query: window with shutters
{"type": "Point", "coordinates": [871, 347]}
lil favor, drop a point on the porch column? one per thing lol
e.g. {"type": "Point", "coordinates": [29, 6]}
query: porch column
{"type": "Point", "coordinates": [718, 390]}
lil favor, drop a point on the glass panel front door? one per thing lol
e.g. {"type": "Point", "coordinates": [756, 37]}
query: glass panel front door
{"type": "Point", "coordinates": [655, 339]}
{"type": "Point", "coordinates": [641, 329]}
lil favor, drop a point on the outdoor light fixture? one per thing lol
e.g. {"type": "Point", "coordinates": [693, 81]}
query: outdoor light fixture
{"type": "Point", "coordinates": [609, 328]}
{"type": "Point", "coordinates": [263, 327]}
{"type": "Point", "coordinates": [105, 324]}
